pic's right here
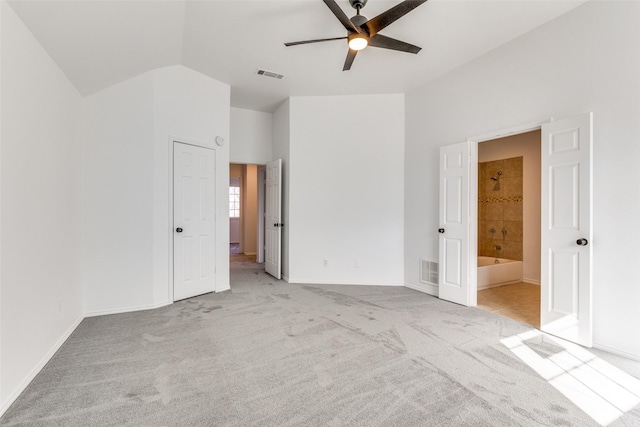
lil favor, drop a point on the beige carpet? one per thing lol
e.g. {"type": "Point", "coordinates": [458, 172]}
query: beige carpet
{"type": "Point", "coordinates": [269, 353]}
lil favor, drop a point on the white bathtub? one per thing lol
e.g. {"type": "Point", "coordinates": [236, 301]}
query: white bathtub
{"type": "Point", "coordinates": [503, 272]}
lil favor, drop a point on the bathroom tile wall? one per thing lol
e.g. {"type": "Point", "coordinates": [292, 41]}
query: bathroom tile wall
{"type": "Point", "coordinates": [500, 208]}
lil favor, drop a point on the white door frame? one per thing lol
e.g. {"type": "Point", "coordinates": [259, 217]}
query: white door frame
{"type": "Point", "coordinates": [172, 141]}
{"type": "Point", "coordinates": [473, 194]}
{"type": "Point", "coordinates": [260, 206]}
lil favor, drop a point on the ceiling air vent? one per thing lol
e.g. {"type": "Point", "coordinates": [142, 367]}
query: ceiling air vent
{"type": "Point", "coordinates": [269, 74]}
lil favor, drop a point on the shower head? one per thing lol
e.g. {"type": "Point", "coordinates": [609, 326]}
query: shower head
{"type": "Point", "coordinates": [496, 176]}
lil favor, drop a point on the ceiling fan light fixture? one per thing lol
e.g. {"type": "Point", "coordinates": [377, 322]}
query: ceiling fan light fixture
{"type": "Point", "coordinates": [362, 31]}
{"type": "Point", "coordinates": [358, 41]}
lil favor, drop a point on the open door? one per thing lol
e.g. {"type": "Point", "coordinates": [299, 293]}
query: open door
{"type": "Point", "coordinates": [194, 221]}
{"type": "Point", "coordinates": [262, 180]}
{"type": "Point", "coordinates": [273, 219]}
{"type": "Point", "coordinates": [565, 295]}
{"type": "Point", "coordinates": [454, 224]}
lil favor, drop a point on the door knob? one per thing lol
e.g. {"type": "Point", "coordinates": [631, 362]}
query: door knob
{"type": "Point", "coordinates": [582, 242]}
{"type": "Point", "coordinates": [178, 230]}
{"type": "Point", "coordinates": [440, 230]}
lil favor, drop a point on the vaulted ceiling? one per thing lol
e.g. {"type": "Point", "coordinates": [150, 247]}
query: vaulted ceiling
{"type": "Point", "coordinates": [100, 43]}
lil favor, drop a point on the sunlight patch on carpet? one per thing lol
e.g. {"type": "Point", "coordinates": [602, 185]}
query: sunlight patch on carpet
{"type": "Point", "coordinates": [601, 390]}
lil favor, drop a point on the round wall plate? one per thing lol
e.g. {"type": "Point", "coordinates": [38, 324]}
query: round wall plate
{"type": "Point", "coordinates": [220, 141]}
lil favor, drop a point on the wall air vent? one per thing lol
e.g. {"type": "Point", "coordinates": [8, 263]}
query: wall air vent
{"type": "Point", "coordinates": [429, 272]}
{"type": "Point", "coordinates": [269, 74]}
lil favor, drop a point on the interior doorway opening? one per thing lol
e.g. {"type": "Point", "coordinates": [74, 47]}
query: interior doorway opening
{"type": "Point", "coordinates": [509, 233]}
{"type": "Point", "coordinates": [566, 228]}
{"type": "Point", "coordinates": [246, 213]}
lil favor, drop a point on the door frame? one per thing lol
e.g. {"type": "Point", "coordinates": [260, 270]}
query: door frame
{"type": "Point", "coordinates": [172, 142]}
{"type": "Point", "coordinates": [260, 206]}
{"type": "Point", "coordinates": [474, 141]}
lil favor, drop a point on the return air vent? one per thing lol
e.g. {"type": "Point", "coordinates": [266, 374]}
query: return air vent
{"type": "Point", "coordinates": [429, 272]}
{"type": "Point", "coordinates": [269, 74]}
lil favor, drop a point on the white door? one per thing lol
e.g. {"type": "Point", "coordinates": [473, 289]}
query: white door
{"type": "Point", "coordinates": [262, 179]}
{"type": "Point", "coordinates": [454, 224]}
{"type": "Point", "coordinates": [273, 219]}
{"type": "Point", "coordinates": [565, 295]}
{"type": "Point", "coordinates": [194, 221]}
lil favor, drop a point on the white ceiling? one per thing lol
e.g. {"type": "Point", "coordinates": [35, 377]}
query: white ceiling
{"type": "Point", "coordinates": [100, 43]}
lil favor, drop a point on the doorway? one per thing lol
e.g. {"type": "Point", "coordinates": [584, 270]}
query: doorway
{"type": "Point", "coordinates": [565, 225]}
{"type": "Point", "coordinates": [508, 240]}
{"type": "Point", "coordinates": [246, 213]}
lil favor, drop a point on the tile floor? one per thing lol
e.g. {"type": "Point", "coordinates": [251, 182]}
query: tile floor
{"type": "Point", "coordinates": [236, 256]}
{"type": "Point", "coordinates": [520, 301]}
{"type": "Point", "coordinates": [242, 258]}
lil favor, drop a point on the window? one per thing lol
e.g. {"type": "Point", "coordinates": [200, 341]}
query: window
{"type": "Point", "coordinates": [234, 201]}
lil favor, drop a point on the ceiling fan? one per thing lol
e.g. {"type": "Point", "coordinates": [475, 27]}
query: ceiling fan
{"type": "Point", "coordinates": [362, 32]}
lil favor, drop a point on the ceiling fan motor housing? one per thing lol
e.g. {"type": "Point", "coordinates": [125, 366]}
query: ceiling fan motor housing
{"type": "Point", "coordinates": [357, 4]}
{"type": "Point", "coordinates": [359, 20]}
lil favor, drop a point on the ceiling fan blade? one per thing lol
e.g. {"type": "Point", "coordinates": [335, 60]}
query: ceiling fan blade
{"type": "Point", "coordinates": [313, 41]}
{"type": "Point", "coordinates": [350, 57]}
{"type": "Point", "coordinates": [342, 17]}
{"type": "Point", "coordinates": [375, 25]}
{"type": "Point", "coordinates": [388, 43]}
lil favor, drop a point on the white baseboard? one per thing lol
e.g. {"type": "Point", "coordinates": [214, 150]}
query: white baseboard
{"type": "Point", "coordinates": [126, 309]}
{"type": "Point", "coordinates": [423, 287]}
{"type": "Point", "coordinates": [495, 285]}
{"type": "Point", "coordinates": [329, 282]}
{"type": "Point", "coordinates": [286, 279]}
{"type": "Point", "coordinates": [226, 288]}
{"type": "Point", "coordinates": [250, 253]}
{"type": "Point", "coordinates": [531, 281]}
{"type": "Point", "coordinates": [36, 370]}
{"type": "Point", "coordinates": [616, 351]}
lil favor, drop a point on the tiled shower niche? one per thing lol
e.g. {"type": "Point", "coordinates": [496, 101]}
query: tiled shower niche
{"type": "Point", "coordinates": [500, 208]}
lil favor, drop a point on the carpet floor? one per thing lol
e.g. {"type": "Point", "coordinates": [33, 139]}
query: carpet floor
{"type": "Point", "coordinates": [269, 353]}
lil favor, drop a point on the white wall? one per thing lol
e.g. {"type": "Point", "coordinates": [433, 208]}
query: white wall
{"type": "Point", "coordinates": [118, 197]}
{"type": "Point", "coordinates": [584, 61]}
{"type": "Point", "coordinates": [251, 143]}
{"type": "Point", "coordinates": [527, 146]}
{"type": "Point", "coordinates": [128, 130]}
{"type": "Point", "coordinates": [282, 150]}
{"type": "Point", "coordinates": [346, 189]}
{"type": "Point", "coordinates": [192, 108]}
{"type": "Point", "coordinates": [40, 283]}
{"type": "Point", "coordinates": [251, 136]}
